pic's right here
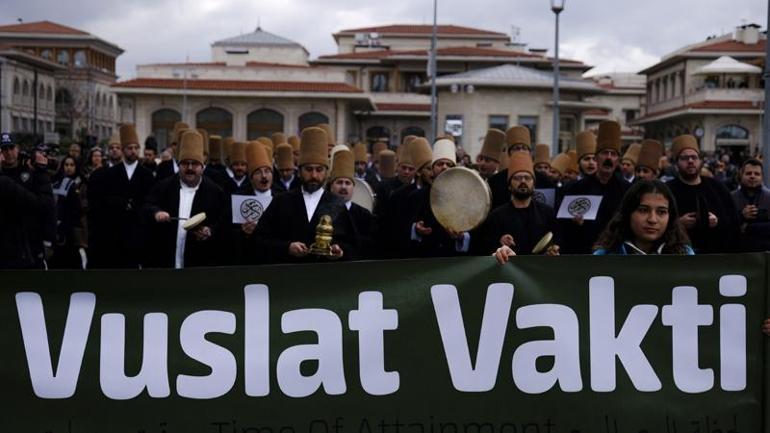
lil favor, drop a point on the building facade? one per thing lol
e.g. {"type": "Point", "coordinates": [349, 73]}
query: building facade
{"type": "Point", "coordinates": [712, 89]}
{"type": "Point", "coordinates": [82, 102]}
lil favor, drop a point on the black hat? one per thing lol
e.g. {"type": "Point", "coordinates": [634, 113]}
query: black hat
{"type": "Point", "coordinates": [6, 140]}
{"type": "Point", "coordinates": [151, 143]}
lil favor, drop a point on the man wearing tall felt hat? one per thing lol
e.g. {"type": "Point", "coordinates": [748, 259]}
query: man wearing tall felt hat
{"type": "Point", "coordinates": [118, 202]}
{"type": "Point", "coordinates": [174, 200]}
{"type": "Point", "coordinates": [287, 171]}
{"type": "Point", "coordinates": [342, 183]}
{"type": "Point", "coordinates": [488, 159]}
{"type": "Point", "coordinates": [585, 150]}
{"type": "Point", "coordinates": [238, 169]}
{"type": "Point", "coordinates": [517, 139]}
{"type": "Point", "coordinates": [428, 237]}
{"type": "Point", "coordinates": [629, 160]}
{"type": "Point", "coordinates": [579, 235]}
{"type": "Point", "coordinates": [171, 167]}
{"type": "Point", "coordinates": [648, 163]}
{"type": "Point", "coordinates": [517, 226]}
{"type": "Point", "coordinates": [287, 229]}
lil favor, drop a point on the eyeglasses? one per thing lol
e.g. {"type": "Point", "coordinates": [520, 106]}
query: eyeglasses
{"type": "Point", "coordinates": [189, 163]}
{"type": "Point", "coordinates": [522, 178]}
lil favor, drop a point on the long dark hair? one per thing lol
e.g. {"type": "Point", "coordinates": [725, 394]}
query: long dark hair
{"type": "Point", "coordinates": [618, 230]}
{"type": "Point", "coordinates": [60, 172]}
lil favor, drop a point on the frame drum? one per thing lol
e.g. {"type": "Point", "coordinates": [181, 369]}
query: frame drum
{"type": "Point", "coordinates": [363, 195]}
{"type": "Point", "coordinates": [460, 199]}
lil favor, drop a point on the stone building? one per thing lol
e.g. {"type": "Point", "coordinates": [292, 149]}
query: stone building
{"type": "Point", "coordinates": [711, 89]}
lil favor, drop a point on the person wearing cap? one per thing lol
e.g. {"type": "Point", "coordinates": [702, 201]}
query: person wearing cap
{"type": "Point", "coordinates": [287, 229]}
{"type": "Point", "coordinates": [176, 199]}
{"type": "Point", "coordinates": [707, 210]}
{"type": "Point", "coordinates": [363, 171]}
{"type": "Point", "coordinates": [585, 150]}
{"type": "Point", "coordinates": [488, 159]}
{"type": "Point", "coordinates": [214, 169]}
{"type": "Point", "coordinates": [559, 169]}
{"type": "Point", "coordinates": [33, 218]}
{"type": "Point", "coordinates": [150, 156]}
{"type": "Point", "coordinates": [171, 167]}
{"type": "Point", "coordinates": [580, 235]}
{"type": "Point", "coordinates": [428, 237]}
{"type": "Point", "coordinates": [238, 168]}
{"type": "Point", "coordinates": [287, 171]}
{"type": "Point", "coordinates": [117, 235]}
{"type": "Point", "coordinates": [517, 139]}
{"type": "Point", "coordinates": [628, 162]}
{"type": "Point", "coordinates": [543, 160]}
{"type": "Point", "coordinates": [342, 184]}
{"type": "Point", "coordinates": [516, 227]}
{"type": "Point", "coordinates": [648, 163]}
{"type": "Point", "coordinates": [377, 148]}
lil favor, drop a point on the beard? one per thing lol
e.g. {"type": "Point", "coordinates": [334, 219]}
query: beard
{"type": "Point", "coordinates": [311, 187]}
{"type": "Point", "coordinates": [523, 193]}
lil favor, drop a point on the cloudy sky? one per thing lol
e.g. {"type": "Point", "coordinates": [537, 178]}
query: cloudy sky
{"type": "Point", "coordinates": [612, 35]}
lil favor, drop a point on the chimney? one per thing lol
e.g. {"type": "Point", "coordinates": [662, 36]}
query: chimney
{"type": "Point", "coordinates": [748, 34]}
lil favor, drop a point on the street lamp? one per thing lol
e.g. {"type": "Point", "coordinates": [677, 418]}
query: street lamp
{"type": "Point", "coordinates": [556, 6]}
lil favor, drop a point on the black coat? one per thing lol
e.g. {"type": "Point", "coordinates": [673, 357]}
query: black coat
{"type": "Point", "coordinates": [709, 196]}
{"type": "Point", "coordinates": [436, 244]}
{"type": "Point", "coordinates": [500, 186]}
{"type": "Point", "coordinates": [579, 239]}
{"type": "Point", "coordinates": [363, 228]}
{"type": "Point", "coordinates": [527, 226]}
{"type": "Point", "coordinates": [165, 169]}
{"type": "Point", "coordinates": [117, 229]}
{"type": "Point", "coordinates": [19, 207]}
{"type": "Point", "coordinates": [285, 221]}
{"type": "Point", "coordinates": [278, 186]}
{"type": "Point", "coordinates": [39, 226]}
{"type": "Point", "coordinates": [209, 198]}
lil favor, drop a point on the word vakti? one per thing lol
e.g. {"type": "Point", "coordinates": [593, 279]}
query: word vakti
{"type": "Point", "coordinates": [684, 316]}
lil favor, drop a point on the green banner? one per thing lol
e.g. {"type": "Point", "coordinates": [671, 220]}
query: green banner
{"type": "Point", "coordinates": [568, 344]}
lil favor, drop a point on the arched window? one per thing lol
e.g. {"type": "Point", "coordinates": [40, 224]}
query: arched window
{"type": "Point", "coordinates": [163, 122]}
{"type": "Point", "coordinates": [63, 101]}
{"type": "Point", "coordinates": [46, 54]}
{"type": "Point", "coordinates": [49, 95]}
{"type": "Point", "coordinates": [311, 119]}
{"type": "Point", "coordinates": [98, 100]}
{"type": "Point", "coordinates": [25, 89]}
{"type": "Point", "coordinates": [41, 92]}
{"type": "Point", "coordinates": [412, 130]}
{"type": "Point", "coordinates": [63, 58]}
{"type": "Point", "coordinates": [80, 59]}
{"type": "Point", "coordinates": [216, 121]}
{"type": "Point", "coordinates": [263, 123]}
{"type": "Point", "coordinates": [732, 132]}
{"type": "Point", "coordinates": [378, 133]}
{"type": "Point", "coordinates": [16, 87]}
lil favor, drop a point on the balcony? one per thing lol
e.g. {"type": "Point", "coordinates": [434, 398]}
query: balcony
{"type": "Point", "coordinates": [725, 94]}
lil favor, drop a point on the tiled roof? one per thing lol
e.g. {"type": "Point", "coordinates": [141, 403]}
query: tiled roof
{"type": "Point", "coordinates": [515, 76]}
{"type": "Point", "coordinates": [215, 64]}
{"type": "Point", "coordinates": [424, 29]}
{"type": "Point", "coordinates": [445, 52]}
{"type": "Point", "coordinates": [231, 85]}
{"type": "Point", "coordinates": [402, 107]}
{"type": "Point", "coordinates": [733, 46]}
{"type": "Point", "coordinates": [41, 27]}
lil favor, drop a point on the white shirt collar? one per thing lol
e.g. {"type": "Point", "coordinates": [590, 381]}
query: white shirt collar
{"type": "Point", "coordinates": [348, 204]}
{"type": "Point", "coordinates": [268, 193]}
{"type": "Point", "coordinates": [185, 187]}
{"type": "Point", "coordinates": [130, 168]}
{"type": "Point", "coordinates": [311, 201]}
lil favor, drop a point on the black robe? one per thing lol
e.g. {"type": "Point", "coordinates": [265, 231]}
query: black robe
{"type": "Point", "coordinates": [119, 232]}
{"type": "Point", "coordinates": [398, 219]}
{"type": "Point", "coordinates": [209, 198]}
{"type": "Point", "coordinates": [285, 221]}
{"type": "Point", "coordinates": [280, 187]}
{"type": "Point", "coordinates": [708, 196]}
{"type": "Point", "coordinates": [363, 229]}
{"type": "Point", "coordinates": [579, 239]}
{"type": "Point", "coordinates": [436, 244]}
{"type": "Point", "coordinates": [526, 225]}
{"type": "Point", "coordinates": [165, 169]}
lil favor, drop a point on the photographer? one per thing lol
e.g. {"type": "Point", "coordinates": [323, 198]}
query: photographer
{"type": "Point", "coordinates": [37, 227]}
{"type": "Point", "coordinates": [752, 200]}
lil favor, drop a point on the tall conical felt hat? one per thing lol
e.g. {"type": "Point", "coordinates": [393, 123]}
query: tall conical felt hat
{"type": "Point", "coordinates": [561, 163]}
{"type": "Point", "coordinates": [586, 144]}
{"type": "Point", "coordinates": [359, 152]}
{"type": "Point", "coordinates": [609, 137]}
{"type": "Point", "coordinates": [277, 138]}
{"type": "Point", "coordinates": [227, 146]}
{"type": "Point", "coordinates": [313, 147]}
{"type": "Point", "coordinates": [205, 135]}
{"type": "Point", "coordinates": [649, 154]}
{"type": "Point", "coordinates": [330, 138]}
{"type": "Point", "coordinates": [268, 143]}
{"type": "Point", "coordinates": [518, 135]}
{"type": "Point", "coordinates": [387, 163]}
{"type": "Point", "coordinates": [191, 146]}
{"type": "Point", "coordinates": [343, 165]}
{"type": "Point", "coordinates": [542, 154]}
{"type": "Point", "coordinates": [420, 152]}
{"type": "Point", "coordinates": [520, 161]}
{"type": "Point", "coordinates": [284, 156]}
{"type": "Point", "coordinates": [128, 134]}
{"type": "Point", "coordinates": [238, 152]}
{"type": "Point", "coordinates": [493, 145]}
{"type": "Point", "coordinates": [377, 148]}
{"type": "Point", "coordinates": [683, 142]}
{"type": "Point", "coordinates": [444, 149]}
{"type": "Point", "coordinates": [632, 153]}
{"type": "Point", "coordinates": [256, 156]}
{"type": "Point", "coordinates": [215, 148]}
{"type": "Point", "coordinates": [176, 132]}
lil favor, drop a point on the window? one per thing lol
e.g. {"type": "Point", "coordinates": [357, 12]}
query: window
{"type": "Point", "coordinates": [41, 92]}
{"type": "Point", "coordinates": [454, 126]}
{"type": "Point", "coordinates": [498, 121]}
{"type": "Point", "coordinates": [80, 59]}
{"type": "Point", "coordinates": [63, 58]}
{"type": "Point", "coordinates": [379, 82]}
{"type": "Point", "coordinates": [378, 133]}
{"type": "Point", "coordinates": [412, 130]}
{"type": "Point", "coordinates": [732, 132]}
{"type": "Point", "coordinates": [49, 94]}
{"type": "Point", "coordinates": [46, 54]}
{"type": "Point", "coordinates": [531, 123]}
{"type": "Point", "coordinates": [16, 87]}
{"type": "Point", "coordinates": [311, 119]}
{"type": "Point", "coordinates": [631, 115]}
{"type": "Point", "coordinates": [665, 88]}
{"type": "Point", "coordinates": [25, 89]}
{"type": "Point", "coordinates": [567, 132]}
{"type": "Point", "coordinates": [412, 82]}
{"type": "Point", "coordinates": [263, 123]}
{"type": "Point", "coordinates": [216, 121]}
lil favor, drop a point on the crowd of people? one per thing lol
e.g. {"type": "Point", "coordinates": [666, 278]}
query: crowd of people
{"type": "Point", "coordinates": [119, 208]}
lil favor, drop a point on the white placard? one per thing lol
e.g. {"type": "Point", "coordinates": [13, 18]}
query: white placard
{"type": "Point", "coordinates": [546, 195]}
{"type": "Point", "coordinates": [249, 208]}
{"type": "Point", "coordinates": [585, 205]}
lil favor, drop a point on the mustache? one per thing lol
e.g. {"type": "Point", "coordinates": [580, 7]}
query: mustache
{"type": "Point", "coordinates": [607, 163]}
